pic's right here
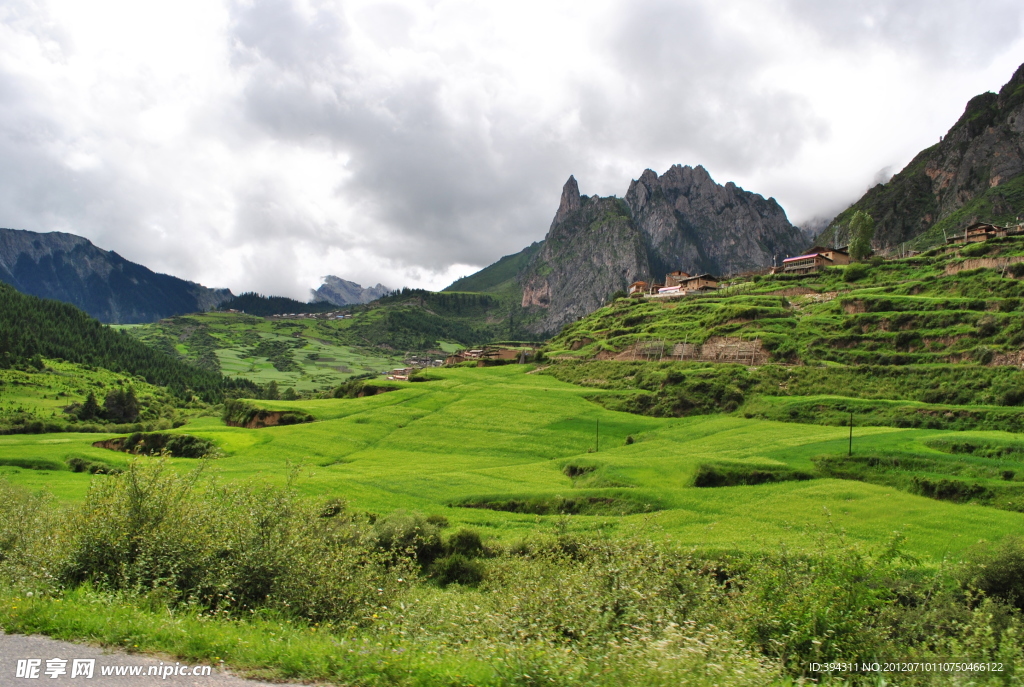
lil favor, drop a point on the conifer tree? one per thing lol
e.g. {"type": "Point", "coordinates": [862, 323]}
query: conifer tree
{"type": "Point", "coordinates": [90, 410]}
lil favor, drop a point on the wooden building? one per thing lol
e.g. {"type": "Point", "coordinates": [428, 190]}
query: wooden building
{"type": "Point", "coordinates": [838, 256]}
{"type": "Point", "coordinates": [676, 278]}
{"type": "Point", "coordinates": [699, 282]}
{"type": "Point", "coordinates": [806, 264]}
{"type": "Point", "coordinates": [638, 288]}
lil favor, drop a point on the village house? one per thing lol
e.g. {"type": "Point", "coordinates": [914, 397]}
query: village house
{"type": "Point", "coordinates": [806, 264]}
{"type": "Point", "coordinates": [838, 256]}
{"type": "Point", "coordinates": [675, 278]}
{"type": "Point", "coordinates": [401, 374]}
{"type": "Point", "coordinates": [699, 282]}
{"type": "Point", "coordinates": [979, 232]}
{"type": "Point", "coordinates": [491, 353]}
{"type": "Point", "coordinates": [638, 288]}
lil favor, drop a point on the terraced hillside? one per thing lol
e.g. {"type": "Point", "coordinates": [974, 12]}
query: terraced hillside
{"type": "Point", "coordinates": [305, 354]}
{"type": "Point", "coordinates": [959, 307]}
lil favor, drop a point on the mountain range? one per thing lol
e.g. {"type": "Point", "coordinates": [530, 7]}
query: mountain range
{"type": "Point", "coordinates": [338, 291]}
{"type": "Point", "coordinates": [681, 220]}
{"type": "Point", "coordinates": [69, 268]}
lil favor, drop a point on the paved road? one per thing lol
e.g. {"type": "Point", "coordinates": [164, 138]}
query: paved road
{"type": "Point", "coordinates": [15, 647]}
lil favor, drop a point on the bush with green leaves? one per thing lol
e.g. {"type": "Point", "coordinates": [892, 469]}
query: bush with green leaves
{"type": "Point", "coordinates": [402, 535]}
{"type": "Point", "coordinates": [456, 568]}
{"type": "Point", "coordinates": [465, 542]}
{"type": "Point", "coordinates": [224, 548]}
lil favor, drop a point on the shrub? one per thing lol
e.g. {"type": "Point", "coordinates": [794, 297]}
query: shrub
{"type": "Point", "coordinates": [465, 542]}
{"type": "Point", "coordinates": [438, 521]}
{"type": "Point", "coordinates": [457, 569]}
{"type": "Point", "coordinates": [402, 534]}
{"type": "Point", "coordinates": [855, 272]}
{"type": "Point", "coordinates": [231, 549]}
{"type": "Point", "coordinates": [998, 572]}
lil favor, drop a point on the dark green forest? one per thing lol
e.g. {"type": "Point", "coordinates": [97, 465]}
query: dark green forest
{"type": "Point", "coordinates": [252, 303]}
{"type": "Point", "coordinates": [31, 327]}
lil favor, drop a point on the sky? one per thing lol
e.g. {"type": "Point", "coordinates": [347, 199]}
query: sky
{"type": "Point", "coordinates": [262, 144]}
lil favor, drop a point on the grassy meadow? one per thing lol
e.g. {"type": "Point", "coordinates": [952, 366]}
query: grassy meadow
{"type": "Point", "coordinates": [590, 520]}
{"type": "Point", "coordinates": [519, 448]}
{"type": "Point", "coordinates": [306, 355]}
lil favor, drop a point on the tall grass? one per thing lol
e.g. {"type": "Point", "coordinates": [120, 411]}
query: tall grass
{"type": "Point", "coordinates": [295, 588]}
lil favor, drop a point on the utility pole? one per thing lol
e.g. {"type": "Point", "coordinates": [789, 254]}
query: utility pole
{"type": "Point", "coordinates": [850, 454]}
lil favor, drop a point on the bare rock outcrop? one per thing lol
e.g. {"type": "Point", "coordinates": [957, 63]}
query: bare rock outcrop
{"type": "Point", "coordinates": [680, 220]}
{"type": "Point", "coordinates": [689, 222]}
{"type": "Point", "coordinates": [338, 291]}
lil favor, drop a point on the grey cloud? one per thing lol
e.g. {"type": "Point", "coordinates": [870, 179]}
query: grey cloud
{"type": "Point", "coordinates": [435, 190]}
{"type": "Point", "coordinates": [432, 190]}
{"type": "Point", "coordinates": [691, 87]}
{"type": "Point", "coordinates": [278, 31]}
{"type": "Point", "coordinates": [954, 33]}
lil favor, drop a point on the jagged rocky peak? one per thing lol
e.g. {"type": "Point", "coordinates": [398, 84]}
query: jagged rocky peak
{"type": "Point", "coordinates": [570, 202]}
{"type": "Point", "coordinates": [679, 220]}
{"type": "Point", "coordinates": [340, 291]}
{"type": "Point", "coordinates": [690, 222]}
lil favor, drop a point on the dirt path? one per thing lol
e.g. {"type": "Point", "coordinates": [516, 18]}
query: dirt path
{"type": "Point", "coordinates": [22, 647]}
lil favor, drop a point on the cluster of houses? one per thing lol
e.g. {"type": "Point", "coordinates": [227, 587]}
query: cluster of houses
{"type": "Point", "coordinates": [490, 354]}
{"type": "Point", "coordinates": [677, 283]}
{"type": "Point", "coordinates": [311, 316]}
{"type": "Point", "coordinates": [983, 231]}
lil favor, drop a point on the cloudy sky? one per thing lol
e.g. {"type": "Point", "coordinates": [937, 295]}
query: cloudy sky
{"type": "Point", "coordinates": [261, 144]}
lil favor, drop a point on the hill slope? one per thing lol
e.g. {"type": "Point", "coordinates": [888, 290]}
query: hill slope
{"type": "Point", "coordinates": [974, 173]}
{"type": "Point", "coordinates": [31, 326]}
{"type": "Point", "coordinates": [934, 308]}
{"type": "Point", "coordinates": [69, 268]}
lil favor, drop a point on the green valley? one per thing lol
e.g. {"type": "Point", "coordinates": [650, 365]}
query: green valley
{"type": "Point", "coordinates": [484, 438]}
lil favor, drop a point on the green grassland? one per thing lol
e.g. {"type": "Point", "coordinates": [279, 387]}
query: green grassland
{"type": "Point", "coordinates": [307, 354]}
{"type": "Point", "coordinates": [519, 447]}
{"type": "Point", "coordinates": [639, 521]}
{"type": "Point", "coordinates": [617, 548]}
{"type": "Point", "coordinates": [36, 400]}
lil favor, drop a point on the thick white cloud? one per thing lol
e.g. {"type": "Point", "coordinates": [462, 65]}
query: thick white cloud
{"type": "Point", "coordinates": [260, 144]}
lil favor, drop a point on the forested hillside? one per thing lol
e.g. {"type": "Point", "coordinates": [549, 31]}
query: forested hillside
{"type": "Point", "coordinates": [31, 326]}
{"type": "Point", "coordinates": [112, 289]}
{"type": "Point", "coordinates": [257, 304]}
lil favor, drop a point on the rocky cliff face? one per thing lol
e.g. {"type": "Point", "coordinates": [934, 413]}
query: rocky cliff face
{"type": "Point", "coordinates": [69, 268]}
{"type": "Point", "coordinates": [680, 220]}
{"type": "Point", "coordinates": [691, 223]}
{"type": "Point", "coordinates": [343, 292]}
{"type": "Point", "coordinates": [591, 250]}
{"type": "Point", "coordinates": [975, 173]}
